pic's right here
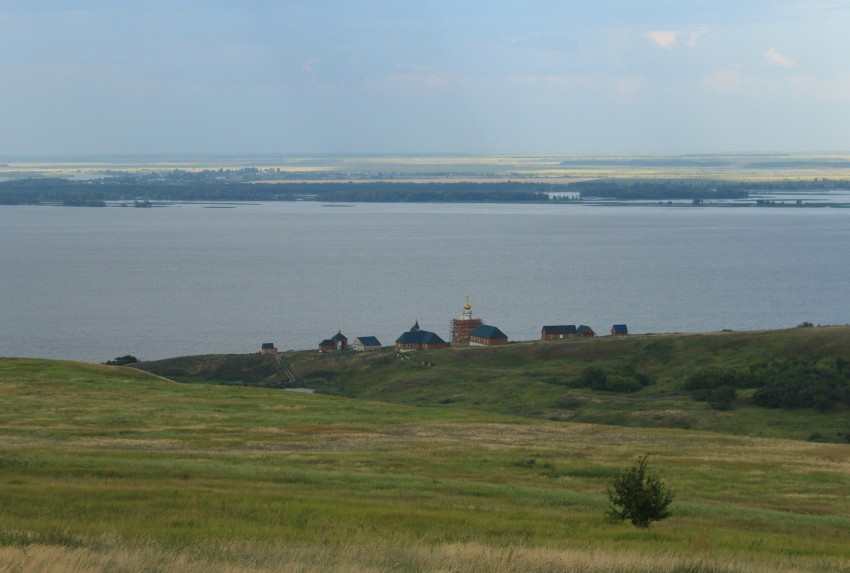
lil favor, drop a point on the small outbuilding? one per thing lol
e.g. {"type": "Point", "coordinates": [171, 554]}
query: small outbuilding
{"type": "Point", "coordinates": [337, 342]}
{"type": "Point", "coordinates": [268, 348]}
{"type": "Point", "coordinates": [340, 340]}
{"type": "Point", "coordinates": [486, 335]}
{"type": "Point", "coordinates": [619, 330]}
{"type": "Point", "coordinates": [366, 344]}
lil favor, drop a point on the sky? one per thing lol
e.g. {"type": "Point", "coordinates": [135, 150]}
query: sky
{"type": "Point", "coordinates": [82, 78]}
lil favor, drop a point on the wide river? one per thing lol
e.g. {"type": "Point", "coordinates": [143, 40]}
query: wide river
{"type": "Point", "coordinates": [93, 284]}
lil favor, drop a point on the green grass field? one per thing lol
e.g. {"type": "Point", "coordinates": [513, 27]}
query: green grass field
{"type": "Point", "coordinates": [112, 469]}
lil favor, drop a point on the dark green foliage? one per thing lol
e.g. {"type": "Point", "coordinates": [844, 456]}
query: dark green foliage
{"type": "Point", "coordinates": [715, 377]}
{"type": "Point", "coordinates": [240, 369]}
{"type": "Point", "coordinates": [721, 398]}
{"type": "Point", "coordinates": [717, 386]}
{"type": "Point", "coordinates": [795, 383]}
{"type": "Point", "coordinates": [591, 377]}
{"type": "Point", "coordinates": [693, 189]}
{"type": "Point", "coordinates": [785, 383]}
{"type": "Point", "coordinates": [122, 360]}
{"type": "Point", "coordinates": [83, 203]}
{"type": "Point", "coordinates": [625, 189]}
{"type": "Point", "coordinates": [598, 379]}
{"type": "Point", "coordinates": [95, 192]}
{"type": "Point", "coordinates": [638, 497]}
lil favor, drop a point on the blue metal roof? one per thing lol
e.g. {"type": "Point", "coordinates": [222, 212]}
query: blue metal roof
{"type": "Point", "coordinates": [419, 337]}
{"type": "Point", "coordinates": [621, 329]}
{"type": "Point", "coordinates": [489, 332]}
{"type": "Point", "coordinates": [561, 329]}
{"type": "Point", "coordinates": [368, 341]}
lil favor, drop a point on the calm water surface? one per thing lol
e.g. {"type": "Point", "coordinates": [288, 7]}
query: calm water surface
{"type": "Point", "coordinates": [92, 284]}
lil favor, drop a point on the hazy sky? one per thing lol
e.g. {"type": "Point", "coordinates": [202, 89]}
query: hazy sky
{"type": "Point", "coordinates": [389, 76]}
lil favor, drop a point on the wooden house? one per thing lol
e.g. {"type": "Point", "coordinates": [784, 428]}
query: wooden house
{"type": "Point", "coordinates": [268, 348]}
{"type": "Point", "coordinates": [585, 331]}
{"type": "Point", "coordinates": [486, 335]}
{"type": "Point", "coordinates": [337, 342]}
{"type": "Point", "coordinates": [418, 339]}
{"type": "Point", "coordinates": [366, 344]}
{"type": "Point", "coordinates": [619, 330]}
{"type": "Point", "coordinates": [556, 332]}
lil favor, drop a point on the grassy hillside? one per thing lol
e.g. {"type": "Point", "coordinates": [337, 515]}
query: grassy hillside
{"type": "Point", "coordinates": [533, 379]}
{"type": "Point", "coordinates": [111, 469]}
{"type": "Point", "coordinates": [230, 369]}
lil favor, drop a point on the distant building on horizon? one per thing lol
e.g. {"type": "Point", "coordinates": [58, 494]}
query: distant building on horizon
{"type": "Point", "coordinates": [486, 335]}
{"type": "Point", "coordinates": [559, 331]}
{"type": "Point", "coordinates": [418, 339]}
{"type": "Point", "coordinates": [366, 344]}
{"type": "Point", "coordinates": [619, 330]}
{"type": "Point", "coordinates": [585, 331]}
{"type": "Point", "coordinates": [268, 348]}
{"type": "Point", "coordinates": [463, 326]}
{"type": "Point", "coordinates": [337, 342]}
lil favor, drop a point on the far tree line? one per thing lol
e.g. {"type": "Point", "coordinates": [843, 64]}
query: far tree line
{"type": "Point", "coordinates": [96, 192]}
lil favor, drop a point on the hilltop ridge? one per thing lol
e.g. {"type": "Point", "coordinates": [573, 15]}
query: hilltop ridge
{"type": "Point", "coordinates": [543, 379]}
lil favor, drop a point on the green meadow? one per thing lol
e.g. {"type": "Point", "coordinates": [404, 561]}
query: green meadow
{"type": "Point", "coordinates": [114, 469]}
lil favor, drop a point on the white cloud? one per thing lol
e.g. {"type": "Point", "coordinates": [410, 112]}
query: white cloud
{"type": "Point", "coordinates": [309, 65]}
{"type": "Point", "coordinates": [629, 86]}
{"type": "Point", "coordinates": [724, 82]}
{"type": "Point", "coordinates": [669, 39]}
{"type": "Point", "coordinates": [836, 89]}
{"type": "Point", "coordinates": [693, 37]}
{"type": "Point", "coordinates": [777, 59]}
{"type": "Point", "coordinates": [664, 38]}
{"type": "Point", "coordinates": [733, 81]}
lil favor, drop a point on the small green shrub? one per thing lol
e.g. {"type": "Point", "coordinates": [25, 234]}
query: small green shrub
{"type": "Point", "coordinates": [720, 398]}
{"type": "Point", "coordinates": [638, 497]}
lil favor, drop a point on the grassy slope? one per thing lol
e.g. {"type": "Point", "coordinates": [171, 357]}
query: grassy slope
{"type": "Point", "coordinates": [530, 379]}
{"type": "Point", "coordinates": [111, 461]}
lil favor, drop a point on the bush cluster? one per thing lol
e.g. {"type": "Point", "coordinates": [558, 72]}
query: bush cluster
{"type": "Point", "coordinates": [783, 383]}
{"type": "Point", "coordinates": [599, 379]}
{"type": "Point", "coordinates": [793, 383]}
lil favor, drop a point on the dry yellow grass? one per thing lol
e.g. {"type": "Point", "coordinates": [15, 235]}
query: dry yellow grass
{"type": "Point", "coordinates": [348, 558]}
